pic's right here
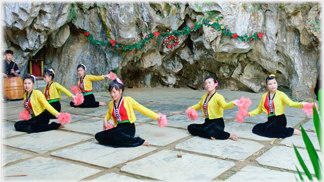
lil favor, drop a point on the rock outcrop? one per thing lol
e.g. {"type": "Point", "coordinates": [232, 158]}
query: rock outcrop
{"type": "Point", "coordinates": [290, 47]}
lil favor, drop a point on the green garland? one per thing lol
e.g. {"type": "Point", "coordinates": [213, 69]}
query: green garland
{"type": "Point", "coordinates": [185, 31]}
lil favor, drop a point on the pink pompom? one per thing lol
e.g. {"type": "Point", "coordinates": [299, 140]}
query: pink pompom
{"type": "Point", "coordinates": [163, 120]}
{"type": "Point", "coordinates": [24, 115]}
{"type": "Point", "coordinates": [192, 114]}
{"type": "Point", "coordinates": [112, 76]}
{"type": "Point", "coordinates": [243, 103]}
{"type": "Point", "coordinates": [74, 89]}
{"type": "Point", "coordinates": [64, 118]}
{"type": "Point", "coordinates": [241, 115]}
{"type": "Point", "coordinates": [308, 108]}
{"type": "Point", "coordinates": [109, 126]}
{"type": "Point", "coordinates": [78, 100]}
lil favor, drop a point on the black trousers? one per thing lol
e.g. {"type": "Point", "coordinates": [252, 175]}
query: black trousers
{"type": "Point", "coordinates": [57, 106]}
{"type": "Point", "coordinates": [36, 124]}
{"type": "Point", "coordinates": [211, 128]}
{"type": "Point", "coordinates": [120, 136]}
{"type": "Point", "coordinates": [275, 127]}
{"type": "Point", "coordinates": [89, 101]}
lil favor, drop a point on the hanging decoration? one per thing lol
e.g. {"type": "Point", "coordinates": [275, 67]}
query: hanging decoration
{"type": "Point", "coordinates": [171, 37]}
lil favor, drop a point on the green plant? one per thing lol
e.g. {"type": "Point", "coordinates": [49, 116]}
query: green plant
{"type": "Point", "coordinates": [73, 14]}
{"type": "Point", "coordinates": [310, 147]}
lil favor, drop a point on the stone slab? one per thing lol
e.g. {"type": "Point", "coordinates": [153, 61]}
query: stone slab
{"type": "Point", "coordinates": [115, 177]}
{"type": "Point", "coordinates": [160, 136]}
{"type": "Point", "coordinates": [285, 157]}
{"type": "Point", "coordinates": [9, 156]}
{"type": "Point", "coordinates": [90, 126]}
{"type": "Point", "coordinates": [168, 107]}
{"type": "Point", "coordinates": [261, 118]}
{"type": "Point", "coordinates": [45, 141]}
{"type": "Point", "coordinates": [141, 118]}
{"type": "Point", "coordinates": [101, 155]}
{"type": "Point", "coordinates": [293, 121]}
{"type": "Point", "coordinates": [98, 111]}
{"type": "Point", "coordinates": [309, 125]}
{"type": "Point", "coordinates": [229, 113]}
{"type": "Point", "coordinates": [181, 121]}
{"type": "Point", "coordinates": [291, 111]}
{"type": "Point", "coordinates": [8, 130]}
{"type": "Point", "coordinates": [243, 130]}
{"type": "Point", "coordinates": [254, 173]}
{"type": "Point", "coordinates": [166, 166]}
{"type": "Point", "coordinates": [74, 118]}
{"type": "Point", "coordinates": [237, 150]}
{"type": "Point", "coordinates": [42, 169]}
{"type": "Point", "coordinates": [298, 141]}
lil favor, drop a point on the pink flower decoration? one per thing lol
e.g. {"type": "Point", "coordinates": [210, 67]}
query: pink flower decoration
{"type": "Point", "coordinates": [192, 114]}
{"type": "Point", "coordinates": [64, 118]}
{"type": "Point", "coordinates": [79, 99]}
{"type": "Point", "coordinates": [24, 115]}
{"type": "Point", "coordinates": [163, 120]}
{"type": "Point", "coordinates": [74, 89]}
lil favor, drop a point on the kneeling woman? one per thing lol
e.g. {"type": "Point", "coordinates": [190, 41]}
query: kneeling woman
{"type": "Point", "coordinates": [52, 91]}
{"type": "Point", "coordinates": [85, 87]}
{"type": "Point", "coordinates": [212, 104]}
{"type": "Point", "coordinates": [273, 104]}
{"type": "Point", "coordinates": [35, 103]}
{"type": "Point", "coordinates": [121, 109]}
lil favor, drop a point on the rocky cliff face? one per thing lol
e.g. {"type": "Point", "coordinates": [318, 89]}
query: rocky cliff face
{"type": "Point", "coordinates": [290, 47]}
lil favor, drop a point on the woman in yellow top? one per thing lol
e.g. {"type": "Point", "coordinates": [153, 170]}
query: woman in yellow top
{"type": "Point", "coordinates": [85, 87]}
{"type": "Point", "coordinates": [273, 104]}
{"type": "Point", "coordinates": [121, 109]}
{"type": "Point", "coordinates": [35, 103]}
{"type": "Point", "coordinates": [212, 105]}
{"type": "Point", "coordinates": [53, 90]}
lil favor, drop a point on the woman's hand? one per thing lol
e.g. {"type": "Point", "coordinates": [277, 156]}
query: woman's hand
{"type": "Point", "coordinates": [73, 97]}
{"type": "Point", "coordinates": [106, 76]}
{"type": "Point", "coordinates": [236, 102]}
{"type": "Point", "coordinates": [58, 115]}
{"type": "Point", "coordinates": [105, 124]}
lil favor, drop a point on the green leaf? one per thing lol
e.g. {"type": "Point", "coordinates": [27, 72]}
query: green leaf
{"type": "Point", "coordinates": [318, 127]}
{"type": "Point", "coordinates": [320, 101]}
{"type": "Point", "coordinates": [300, 175]}
{"type": "Point", "coordinates": [303, 165]}
{"type": "Point", "coordinates": [312, 154]}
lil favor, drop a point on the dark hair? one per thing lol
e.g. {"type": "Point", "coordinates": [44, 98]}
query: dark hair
{"type": "Point", "coordinates": [49, 73]}
{"type": "Point", "coordinates": [80, 65]}
{"type": "Point", "coordinates": [207, 77]}
{"type": "Point", "coordinates": [115, 85]}
{"type": "Point", "coordinates": [30, 76]}
{"type": "Point", "coordinates": [270, 77]}
{"type": "Point", "coordinates": [8, 52]}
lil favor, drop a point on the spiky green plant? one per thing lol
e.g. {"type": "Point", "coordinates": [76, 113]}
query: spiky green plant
{"type": "Point", "coordinates": [310, 147]}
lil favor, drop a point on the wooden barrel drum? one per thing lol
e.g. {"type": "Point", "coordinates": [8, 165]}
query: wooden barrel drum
{"type": "Point", "coordinates": [13, 88]}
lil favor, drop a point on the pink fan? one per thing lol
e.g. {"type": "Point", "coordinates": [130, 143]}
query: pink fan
{"type": "Point", "coordinates": [74, 89]}
{"type": "Point", "coordinates": [24, 115]}
{"type": "Point", "coordinates": [192, 114]}
{"type": "Point", "coordinates": [112, 76]}
{"type": "Point", "coordinates": [241, 115]}
{"type": "Point", "coordinates": [64, 118]}
{"type": "Point", "coordinates": [109, 126]}
{"type": "Point", "coordinates": [78, 100]}
{"type": "Point", "coordinates": [163, 120]}
{"type": "Point", "coordinates": [308, 108]}
{"type": "Point", "coordinates": [244, 103]}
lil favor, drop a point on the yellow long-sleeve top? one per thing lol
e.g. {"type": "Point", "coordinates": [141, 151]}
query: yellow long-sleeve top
{"type": "Point", "coordinates": [39, 103]}
{"type": "Point", "coordinates": [130, 104]}
{"type": "Point", "coordinates": [87, 82]}
{"type": "Point", "coordinates": [216, 105]}
{"type": "Point", "coordinates": [54, 91]}
{"type": "Point", "coordinates": [279, 102]}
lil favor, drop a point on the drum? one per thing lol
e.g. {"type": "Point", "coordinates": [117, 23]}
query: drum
{"type": "Point", "coordinates": [13, 88]}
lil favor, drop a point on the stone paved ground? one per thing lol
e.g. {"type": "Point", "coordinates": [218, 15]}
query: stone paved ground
{"type": "Point", "coordinates": [73, 154]}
